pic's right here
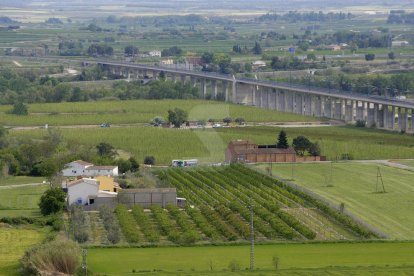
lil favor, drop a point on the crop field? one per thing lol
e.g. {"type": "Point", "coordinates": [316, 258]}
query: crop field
{"type": "Point", "coordinates": [218, 211]}
{"type": "Point", "coordinates": [209, 145]}
{"type": "Point", "coordinates": [140, 111]}
{"type": "Point", "coordinates": [279, 212]}
{"type": "Point", "coordinates": [355, 185]}
{"type": "Point", "coordinates": [14, 241]}
{"type": "Point", "coordinates": [20, 201]}
{"type": "Point", "coordinates": [294, 259]}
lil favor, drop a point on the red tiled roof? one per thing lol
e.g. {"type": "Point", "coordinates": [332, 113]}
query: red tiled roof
{"type": "Point", "coordinates": [81, 162]}
{"type": "Point", "coordinates": [75, 182]}
{"type": "Point", "coordinates": [265, 151]}
{"type": "Point", "coordinates": [101, 168]}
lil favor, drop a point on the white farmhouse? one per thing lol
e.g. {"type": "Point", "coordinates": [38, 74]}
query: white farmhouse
{"type": "Point", "coordinates": [101, 171]}
{"type": "Point", "coordinates": [82, 190]}
{"type": "Point", "coordinates": [76, 168]}
{"type": "Point", "coordinates": [155, 53]}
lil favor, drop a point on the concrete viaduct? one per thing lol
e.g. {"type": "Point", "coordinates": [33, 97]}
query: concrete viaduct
{"type": "Point", "coordinates": [380, 112]}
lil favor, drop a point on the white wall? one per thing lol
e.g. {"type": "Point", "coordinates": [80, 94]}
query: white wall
{"type": "Point", "coordinates": [79, 193]}
{"type": "Point", "coordinates": [113, 172]}
{"type": "Point", "coordinates": [74, 169]}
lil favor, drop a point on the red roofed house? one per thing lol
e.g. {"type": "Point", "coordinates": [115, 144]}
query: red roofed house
{"type": "Point", "coordinates": [83, 168]}
{"type": "Point", "coordinates": [247, 152]}
{"type": "Point", "coordinates": [76, 168]}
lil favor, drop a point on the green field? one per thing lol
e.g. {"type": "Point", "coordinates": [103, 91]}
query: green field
{"type": "Point", "coordinates": [339, 258]}
{"type": "Point", "coordinates": [16, 180]}
{"type": "Point", "coordinates": [20, 201]}
{"type": "Point", "coordinates": [354, 184]}
{"type": "Point", "coordinates": [139, 111]}
{"type": "Point", "coordinates": [209, 145]}
{"type": "Point", "coordinates": [409, 163]}
{"type": "Point", "coordinates": [14, 241]}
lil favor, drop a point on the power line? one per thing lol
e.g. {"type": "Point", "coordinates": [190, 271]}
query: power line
{"type": "Point", "coordinates": [251, 239]}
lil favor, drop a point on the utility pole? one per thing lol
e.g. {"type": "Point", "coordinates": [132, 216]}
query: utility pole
{"type": "Point", "coordinates": [379, 178]}
{"type": "Point", "coordinates": [251, 236]}
{"type": "Point", "coordinates": [84, 264]}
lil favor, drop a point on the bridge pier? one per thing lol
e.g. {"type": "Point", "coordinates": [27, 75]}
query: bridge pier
{"type": "Point", "coordinates": [254, 92]}
{"type": "Point", "coordinates": [412, 120]}
{"type": "Point", "coordinates": [403, 119]}
{"type": "Point", "coordinates": [225, 90]}
{"type": "Point", "coordinates": [371, 115]}
{"type": "Point", "coordinates": [348, 111]}
{"type": "Point", "coordinates": [282, 101]}
{"type": "Point", "coordinates": [233, 92]}
{"type": "Point", "coordinates": [269, 99]}
{"type": "Point", "coordinates": [385, 116]}
{"type": "Point", "coordinates": [328, 107]}
{"type": "Point", "coordinates": [290, 102]}
{"type": "Point", "coordinates": [338, 109]}
{"type": "Point", "coordinates": [308, 105]}
{"type": "Point", "coordinates": [213, 89]}
{"type": "Point", "coordinates": [193, 81]}
{"type": "Point", "coordinates": [203, 88]}
{"type": "Point", "coordinates": [317, 111]}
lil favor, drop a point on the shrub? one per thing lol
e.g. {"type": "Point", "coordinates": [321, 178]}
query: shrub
{"type": "Point", "coordinates": [111, 227]}
{"type": "Point", "coordinates": [60, 257]}
{"type": "Point", "coordinates": [52, 201]}
{"type": "Point", "coordinates": [314, 149]}
{"type": "Point", "coordinates": [127, 223]}
{"type": "Point", "coordinates": [149, 160]}
{"type": "Point", "coordinates": [275, 262]}
{"type": "Point", "coordinates": [234, 265]}
{"type": "Point", "coordinates": [80, 224]}
{"type": "Point", "coordinates": [361, 123]}
{"type": "Point", "coordinates": [240, 121]}
{"type": "Point", "coordinates": [19, 108]}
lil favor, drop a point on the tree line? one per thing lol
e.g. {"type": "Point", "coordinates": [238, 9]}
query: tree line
{"type": "Point", "coordinates": [294, 16]}
{"type": "Point", "coordinates": [18, 86]}
{"type": "Point", "coordinates": [380, 84]}
{"type": "Point", "coordinates": [48, 155]}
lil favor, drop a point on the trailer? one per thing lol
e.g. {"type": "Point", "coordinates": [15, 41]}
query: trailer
{"type": "Point", "coordinates": [184, 163]}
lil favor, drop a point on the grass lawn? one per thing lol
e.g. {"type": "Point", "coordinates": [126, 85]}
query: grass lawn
{"type": "Point", "coordinates": [15, 180]}
{"type": "Point", "coordinates": [139, 111]}
{"type": "Point", "coordinates": [20, 201]}
{"type": "Point", "coordinates": [196, 260]}
{"type": "Point", "coordinates": [209, 145]}
{"type": "Point", "coordinates": [354, 184]}
{"type": "Point", "coordinates": [14, 241]}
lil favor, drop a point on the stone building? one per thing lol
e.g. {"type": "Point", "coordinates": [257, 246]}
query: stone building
{"type": "Point", "coordinates": [247, 152]}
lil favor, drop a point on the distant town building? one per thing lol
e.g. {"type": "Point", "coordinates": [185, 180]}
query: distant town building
{"type": "Point", "coordinates": [167, 61]}
{"type": "Point", "coordinates": [400, 43]}
{"type": "Point", "coordinates": [155, 53]}
{"type": "Point", "coordinates": [334, 47]}
{"type": "Point", "coordinates": [258, 64]}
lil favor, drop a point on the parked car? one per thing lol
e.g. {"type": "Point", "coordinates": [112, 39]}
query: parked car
{"type": "Point", "coordinates": [217, 126]}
